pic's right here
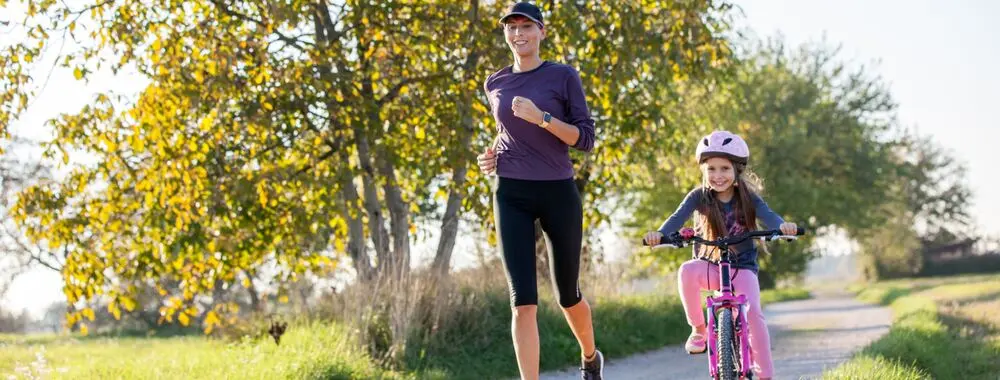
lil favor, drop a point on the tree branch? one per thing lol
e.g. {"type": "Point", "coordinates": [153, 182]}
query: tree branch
{"type": "Point", "coordinates": [289, 40]}
{"type": "Point", "coordinates": [333, 144]}
{"type": "Point", "coordinates": [27, 251]}
{"type": "Point", "coordinates": [323, 12]}
{"type": "Point", "coordinates": [394, 91]}
{"type": "Point", "coordinates": [95, 6]}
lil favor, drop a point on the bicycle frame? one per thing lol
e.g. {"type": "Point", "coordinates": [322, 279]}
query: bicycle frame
{"type": "Point", "coordinates": [725, 298]}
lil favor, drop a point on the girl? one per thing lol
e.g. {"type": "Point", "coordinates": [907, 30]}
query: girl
{"type": "Point", "coordinates": [727, 204]}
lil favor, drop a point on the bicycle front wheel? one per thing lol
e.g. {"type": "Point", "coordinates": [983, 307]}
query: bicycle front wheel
{"type": "Point", "coordinates": [727, 349]}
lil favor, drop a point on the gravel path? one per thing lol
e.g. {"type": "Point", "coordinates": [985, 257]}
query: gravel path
{"type": "Point", "coordinates": [807, 337]}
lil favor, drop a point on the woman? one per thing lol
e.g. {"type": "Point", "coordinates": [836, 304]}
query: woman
{"type": "Point", "coordinates": [541, 112]}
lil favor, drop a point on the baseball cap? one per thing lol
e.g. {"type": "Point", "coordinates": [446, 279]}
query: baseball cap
{"type": "Point", "coordinates": [525, 9]}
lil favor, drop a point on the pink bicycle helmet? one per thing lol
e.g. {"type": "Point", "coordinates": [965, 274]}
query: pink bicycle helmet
{"type": "Point", "coordinates": [723, 144]}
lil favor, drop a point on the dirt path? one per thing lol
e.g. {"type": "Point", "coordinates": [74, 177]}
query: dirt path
{"type": "Point", "coordinates": [807, 337]}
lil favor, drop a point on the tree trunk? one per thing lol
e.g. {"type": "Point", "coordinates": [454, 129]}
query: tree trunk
{"type": "Point", "coordinates": [255, 303]}
{"type": "Point", "coordinates": [327, 37]}
{"type": "Point", "coordinates": [376, 221]}
{"type": "Point", "coordinates": [355, 231]}
{"type": "Point", "coordinates": [398, 215]}
{"type": "Point", "coordinates": [450, 221]}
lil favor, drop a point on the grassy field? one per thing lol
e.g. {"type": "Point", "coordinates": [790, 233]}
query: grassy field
{"type": "Point", "coordinates": [784, 294]}
{"type": "Point", "coordinates": [474, 343]}
{"type": "Point", "coordinates": [943, 328]}
{"type": "Point", "coordinates": [317, 351]}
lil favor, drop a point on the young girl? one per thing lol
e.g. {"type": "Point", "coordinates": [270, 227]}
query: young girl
{"type": "Point", "coordinates": [727, 204]}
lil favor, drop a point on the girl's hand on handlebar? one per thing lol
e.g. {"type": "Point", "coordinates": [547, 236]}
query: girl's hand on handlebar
{"type": "Point", "coordinates": [653, 238]}
{"type": "Point", "coordinates": [789, 229]}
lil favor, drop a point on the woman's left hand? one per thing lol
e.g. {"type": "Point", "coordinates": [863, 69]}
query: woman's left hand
{"type": "Point", "coordinates": [789, 228]}
{"type": "Point", "coordinates": [524, 108]}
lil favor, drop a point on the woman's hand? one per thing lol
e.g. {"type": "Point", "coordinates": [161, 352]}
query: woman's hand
{"type": "Point", "coordinates": [789, 228]}
{"type": "Point", "coordinates": [653, 238]}
{"type": "Point", "coordinates": [488, 161]}
{"type": "Point", "coordinates": [524, 108]}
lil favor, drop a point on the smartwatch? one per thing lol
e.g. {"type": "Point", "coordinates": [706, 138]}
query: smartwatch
{"type": "Point", "coordinates": [546, 118]}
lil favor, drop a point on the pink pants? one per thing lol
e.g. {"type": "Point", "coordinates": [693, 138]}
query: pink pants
{"type": "Point", "coordinates": [696, 275]}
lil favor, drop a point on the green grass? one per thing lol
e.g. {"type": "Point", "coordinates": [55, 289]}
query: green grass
{"type": "Point", "coordinates": [472, 341]}
{"type": "Point", "coordinates": [784, 294]}
{"type": "Point", "coordinates": [480, 347]}
{"type": "Point", "coordinates": [942, 328]}
{"type": "Point", "coordinates": [875, 367]}
{"type": "Point", "coordinates": [317, 351]}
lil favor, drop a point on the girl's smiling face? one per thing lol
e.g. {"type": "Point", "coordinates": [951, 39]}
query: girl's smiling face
{"type": "Point", "coordinates": [719, 174]}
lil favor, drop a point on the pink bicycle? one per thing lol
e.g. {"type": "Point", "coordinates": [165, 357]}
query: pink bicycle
{"type": "Point", "coordinates": [728, 349]}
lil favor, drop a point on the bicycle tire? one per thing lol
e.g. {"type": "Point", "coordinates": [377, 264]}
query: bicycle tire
{"type": "Point", "coordinates": [727, 353]}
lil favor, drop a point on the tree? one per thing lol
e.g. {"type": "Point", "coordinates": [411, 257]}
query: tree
{"type": "Point", "coordinates": [244, 149]}
{"type": "Point", "coordinates": [819, 136]}
{"type": "Point", "coordinates": [632, 57]}
{"type": "Point", "coordinates": [927, 205]}
{"type": "Point", "coordinates": [302, 134]}
{"type": "Point", "coordinates": [934, 185]}
{"type": "Point", "coordinates": [17, 253]}
{"type": "Point", "coordinates": [12, 323]}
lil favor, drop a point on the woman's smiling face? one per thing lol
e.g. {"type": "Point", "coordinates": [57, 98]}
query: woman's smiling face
{"type": "Point", "coordinates": [523, 35]}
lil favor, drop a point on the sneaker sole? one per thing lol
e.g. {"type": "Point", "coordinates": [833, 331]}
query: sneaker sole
{"type": "Point", "coordinates": [697, 352]}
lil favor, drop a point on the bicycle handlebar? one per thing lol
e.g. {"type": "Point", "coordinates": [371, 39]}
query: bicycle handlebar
{"type": "Point", "coordinates": [678, 241]}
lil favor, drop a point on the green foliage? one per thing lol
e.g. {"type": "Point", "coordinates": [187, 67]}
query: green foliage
{"type": "Point", "coordinates": [933, 320]}
{"type": "Point", "coordinates": [469, 339]}
{"type": "Point", "coordinates": [784, 294]}
{"type": "Point", "coordinates": [469, 345]}
{"type": "Point", "coordinates": [928, 200]}
{"type": "Point", "coordinates": [307, 351]}
{"type": "Point", "coordinates": [293, 136]}
{"type": "Point", "coordinates": [825, 141]}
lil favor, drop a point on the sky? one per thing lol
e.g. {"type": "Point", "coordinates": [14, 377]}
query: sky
{"type": "Point", "coordinates": [939, 59]}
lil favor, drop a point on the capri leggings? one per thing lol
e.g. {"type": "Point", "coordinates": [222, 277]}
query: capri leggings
{"type": "Point", "coordinates": [516, 205]}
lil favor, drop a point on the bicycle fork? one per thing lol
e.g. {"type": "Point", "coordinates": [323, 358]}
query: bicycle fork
{"type": "Point", "coordinates": [724, 298]}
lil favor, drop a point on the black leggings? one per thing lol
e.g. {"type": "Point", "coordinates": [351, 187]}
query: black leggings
{"type": "Point", "coordinates": [516, 205]}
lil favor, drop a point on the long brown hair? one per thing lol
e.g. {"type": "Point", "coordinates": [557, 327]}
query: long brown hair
{"type": "Point", "coordinates": [709, 221]}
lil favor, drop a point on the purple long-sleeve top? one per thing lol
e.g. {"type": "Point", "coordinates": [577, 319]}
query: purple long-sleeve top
{"type": "Point", "coordinates": [525, 150]}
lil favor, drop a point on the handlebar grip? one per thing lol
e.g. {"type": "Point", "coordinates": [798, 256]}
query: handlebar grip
{"type": "Point", "coordinates": [801, 231]}
{"type": "Point", "coordinates": [663, 240]}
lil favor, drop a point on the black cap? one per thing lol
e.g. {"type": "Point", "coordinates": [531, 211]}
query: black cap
{"type": "Point", "coordinates": [525, 9]}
